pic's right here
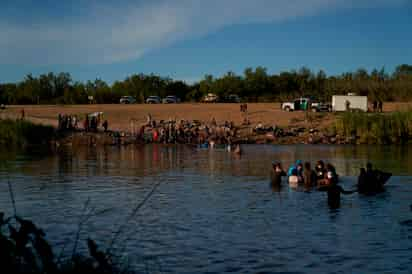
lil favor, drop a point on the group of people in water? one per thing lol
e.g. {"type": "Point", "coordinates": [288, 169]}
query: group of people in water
{"type": "Point", "coordinates": [325, 178]}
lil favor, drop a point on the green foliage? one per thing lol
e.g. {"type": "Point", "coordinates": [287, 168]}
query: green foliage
{"type": "Point", "coordinates": [21, 132]}
{"type": "Point", "coordinates": [254, 85]}
{"type": "Point", "coordinates": [24, 249]}
{"type": "Point", "coordinates": [377, 127]}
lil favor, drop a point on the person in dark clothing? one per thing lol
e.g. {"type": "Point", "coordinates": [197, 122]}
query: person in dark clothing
{"type": "Point", "coordinates": [59, 121]}
{"type": "Point", "coordinates": [334, 190]}
{"type": "Point", "coordinates": [372, 181]}
{"type": "Point", "coordinates": [277, 174]}
{"type": "Point", "coordinates": [375, 106]}
{"type": "Point", "coordinates": [380, 106]}
{"type": "Point", "coordinates": [86, 123]}
{"type": "Point", "coordinates": [105, 125]}
{"type": "Point", "coordinates": [94, 124]}
{"type": "Point", "coordinates": [362, 183]}
{"type": "Point", "coordinates": [309, 176]}
{"type": "Point", "coordinates": [347, 105]}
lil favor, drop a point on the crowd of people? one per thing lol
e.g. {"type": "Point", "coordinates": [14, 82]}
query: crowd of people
{"type": "Point", "coordinates": [325, 178]}
{"type": "Point", "coordinates": [67, 122]}
{"type": "Point", "coordinates": [186, 132]}
{"type": "Point", "coordinates": [91, 122]}
{"type": "Point", "coordinates": [165, 132]}
{"type": "Point", "coordinates": [377, 106]}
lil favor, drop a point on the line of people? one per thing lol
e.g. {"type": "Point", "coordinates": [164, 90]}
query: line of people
{"type": "Point", "coordinates": [91, 122]}
{"type": "Point", "coordinates": [67, 122]}
{"type": "Point", "coordinates": [377, 106]}
{"type": "Point", "coordinates": [325, 178]}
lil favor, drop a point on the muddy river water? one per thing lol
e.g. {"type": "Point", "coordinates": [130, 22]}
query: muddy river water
{"type": "Point", "coordinates": [214, 212]}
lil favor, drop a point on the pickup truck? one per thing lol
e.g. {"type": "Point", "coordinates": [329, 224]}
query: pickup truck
{"type": "Point", "coordinates": [304, 103]}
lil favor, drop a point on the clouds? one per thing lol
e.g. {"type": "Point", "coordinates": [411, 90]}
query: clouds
{"type": "Point", "coordinates": [101, 32]}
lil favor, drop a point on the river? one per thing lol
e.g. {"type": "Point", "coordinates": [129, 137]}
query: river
{"type": "Point", "coordinates": [214, 212]}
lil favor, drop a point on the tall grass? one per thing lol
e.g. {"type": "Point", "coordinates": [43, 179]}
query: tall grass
{"type": "Point", "coordinates": [21, 133]}
{"type": "Point", "coordinates": [376, 128]}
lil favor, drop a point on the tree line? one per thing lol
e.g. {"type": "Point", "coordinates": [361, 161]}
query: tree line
{"type": "Point", "coordinates": [254, 85]}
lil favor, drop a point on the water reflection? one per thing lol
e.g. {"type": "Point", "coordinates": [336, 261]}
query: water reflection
{"type": "Point", "coordinates": [214, 212]}
{"type": "Point", "coordinates": [255, 161]}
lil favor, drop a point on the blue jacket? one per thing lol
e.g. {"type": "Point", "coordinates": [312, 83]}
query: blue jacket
{"type": "Point", "coordinates": [294, 167]}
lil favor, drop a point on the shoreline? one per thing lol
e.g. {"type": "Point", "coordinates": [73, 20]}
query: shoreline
{"type": "Point", "coordinates": [265, 123]}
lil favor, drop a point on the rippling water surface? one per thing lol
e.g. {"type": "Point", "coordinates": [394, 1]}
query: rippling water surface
{"type": "Point", "coordinates": [213, 212]}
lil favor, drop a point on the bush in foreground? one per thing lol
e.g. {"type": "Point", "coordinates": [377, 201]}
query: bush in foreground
{"type": "Point", "coordinates": [24, 249]}
{"type": "Point", "coordinates": [21, 133]}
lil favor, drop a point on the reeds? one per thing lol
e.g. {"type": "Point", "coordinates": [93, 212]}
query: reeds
{"type": "Point", "coordinates": [22, 132]}
{"type": "Point", "coordinates": [376, 128]}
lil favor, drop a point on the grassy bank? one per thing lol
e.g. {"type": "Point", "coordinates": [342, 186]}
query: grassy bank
{"type": "Point", "coordinates": [376, 128]}
{"type": "Point", "coordinates": [21, 133]}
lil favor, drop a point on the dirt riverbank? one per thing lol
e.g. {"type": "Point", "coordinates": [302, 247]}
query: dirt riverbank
{"type": "Point", "coordinates": [119, 116]}
{"type": "Point", "coordinates": [297, 127]}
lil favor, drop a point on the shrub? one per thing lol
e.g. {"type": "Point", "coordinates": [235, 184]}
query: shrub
{"type": "Point", "coordinates": [21, 132]}
{"type": "Point", "coordinates": [379, 128]}
{"type": "Point", "coordinates": [24, 249]}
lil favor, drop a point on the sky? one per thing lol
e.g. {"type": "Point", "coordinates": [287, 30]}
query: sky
{"type": "Point", "coordinates": [187, 39]}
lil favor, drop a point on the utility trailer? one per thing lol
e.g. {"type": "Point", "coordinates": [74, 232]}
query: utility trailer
{"type": "Point", "coordinates": [349, 103]}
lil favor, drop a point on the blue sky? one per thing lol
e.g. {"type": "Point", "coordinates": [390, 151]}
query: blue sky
{"type": "Point", "coordinates": [186, 39]}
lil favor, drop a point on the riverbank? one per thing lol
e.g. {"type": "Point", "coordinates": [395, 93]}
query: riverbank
{"type": "Point", "coordinates": [283, 127]}
{"type": "Point", "coordinates": [121, 117]}
{"type": "Point", "coordinates": [347, 128]}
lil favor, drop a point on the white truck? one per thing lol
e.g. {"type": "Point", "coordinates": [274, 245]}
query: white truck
{"type": "Point", "coordinates": [305, 103]}
{"type": "Point", "coordinates": [349, 102]}
{"type": "Point", "coordinates": [210, 98]}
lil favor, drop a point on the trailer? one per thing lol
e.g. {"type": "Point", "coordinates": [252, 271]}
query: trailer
{"type": "Point", "coordinates": [349, 102]}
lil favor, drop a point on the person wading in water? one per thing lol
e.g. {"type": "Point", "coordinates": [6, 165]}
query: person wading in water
{"type": "Point", "coordinates": [277, 175]}
{"type": "Point", "coordinates": [334, 190]}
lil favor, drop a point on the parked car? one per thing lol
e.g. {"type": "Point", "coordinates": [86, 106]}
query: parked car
{"type": "Point", "coordinates": [210, 98]}
{"type": "Point", "coordinates": [127, 100]}
{"type": "Point", "coordinates": [171, 99]}
{"type": "Point", "coordinates": [153, 100]}
{"type": "Point", "coordinates": [305, 103]}
{"type": "Point", "coordinates": [232, 98]}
